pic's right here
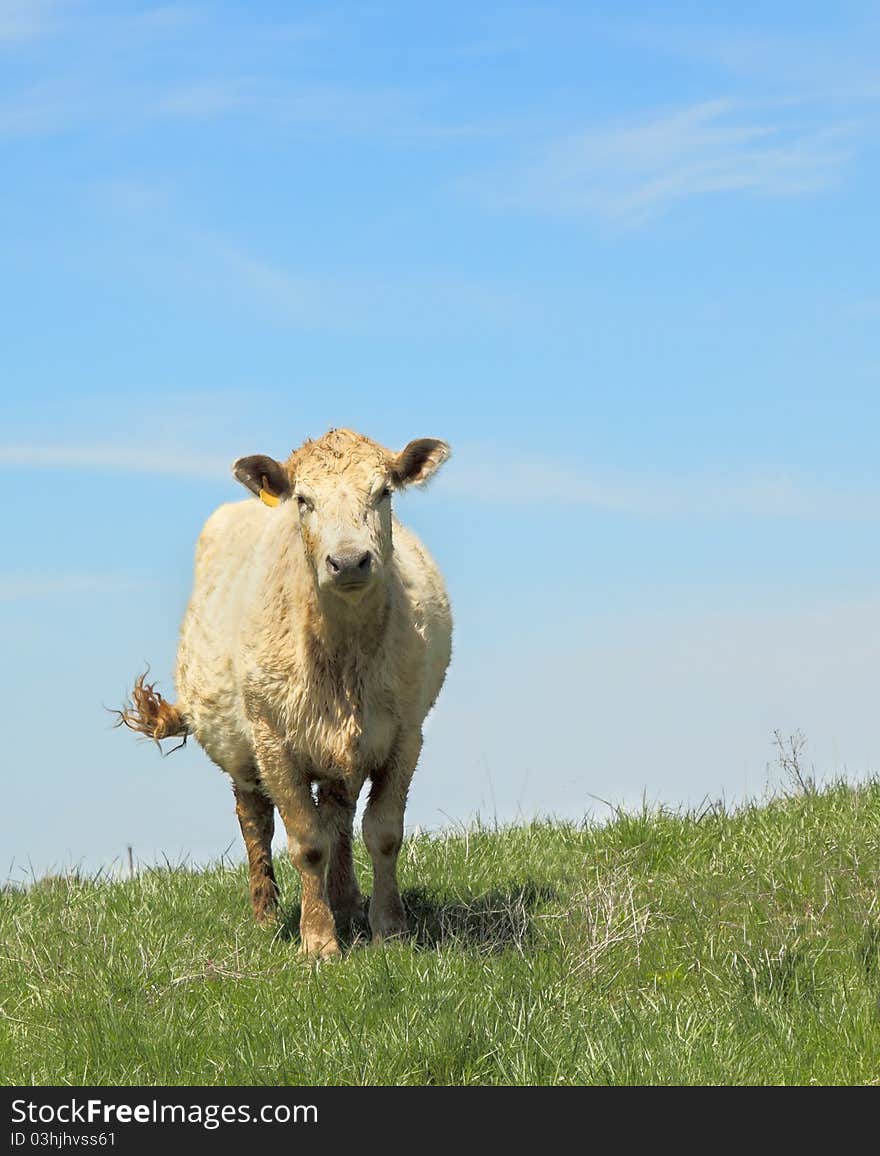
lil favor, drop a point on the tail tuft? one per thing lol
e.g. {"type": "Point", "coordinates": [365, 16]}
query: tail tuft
{"type": "Point", "coordinates": [149, 714]}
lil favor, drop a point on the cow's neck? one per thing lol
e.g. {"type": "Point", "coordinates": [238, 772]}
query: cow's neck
{"type": "Point", "coordinates": [341, 630]}
{"type": "Point", "coordinates": [333, 630]}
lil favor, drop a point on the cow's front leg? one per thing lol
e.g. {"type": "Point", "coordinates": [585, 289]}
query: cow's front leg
{"type": "Point", "coordinates": [310, 840]}
{"type": "Point", "coordinates": [343, 891]}
{"type": "Point", "coordinates": [383, 835]}
{"type": "Point", "coordinates": [256, 816]}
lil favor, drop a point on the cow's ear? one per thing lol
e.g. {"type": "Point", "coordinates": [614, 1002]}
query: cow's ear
{"type": "Point", "coordinates": [263, 476]}
{"type": "Point", "coordinates": [418, 461]}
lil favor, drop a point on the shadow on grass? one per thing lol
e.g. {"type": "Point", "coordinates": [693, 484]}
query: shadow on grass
{"type": "Point", "coordinates": [496, 921]}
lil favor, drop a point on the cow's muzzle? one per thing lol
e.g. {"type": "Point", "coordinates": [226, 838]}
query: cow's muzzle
{"type": "Point", "coordinates": [350, 571]}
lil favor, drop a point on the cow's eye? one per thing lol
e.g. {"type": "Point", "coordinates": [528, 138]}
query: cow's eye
{"type": "Point", "coordinates": [305, 506]}
{"type": "Point", "coordinates": [386, 493]}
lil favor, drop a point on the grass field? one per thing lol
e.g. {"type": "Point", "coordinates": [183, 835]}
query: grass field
{"type": "Point", "coordinates": [722, 947]}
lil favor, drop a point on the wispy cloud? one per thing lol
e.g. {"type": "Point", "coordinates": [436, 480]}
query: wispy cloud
{"type": "Point", "coordinates": [205, 99]}
{"type": "Point", "coordinates": [485, 474]}
{"type": "Point", "coordinates": [17, 587]}
{"type": "Point", "coordinates": [84, 87]}
{"type": "Point", "coordinates": [836, 66]}
{"type": "Point", "coordinates": [89, 89]}
{"type": "Point", "coordinates": [43, 109]}
{"type": "Point", "coordinates": [394, 115]}
{"type": "Point", "coordinates": [492, 47]}
{"type": "Point", "coordinates": [410, 303]}
{"type": "Point", "coordinates": [116, 459]}
{"type": "Point", "coordinates": [210, 267]}
{"type": "Point", "coordinates": [630, 171]}
{"type": "Point", "coordinates": [131, 197]}
{"type": "Point", "coordinates": [23, 21]}
{"type": "Point", "coordinates": [866, 310]}
{"type": "Point", "coordinates": [164, 18]}
{"type": "Point", "coordinates": [397, 117]}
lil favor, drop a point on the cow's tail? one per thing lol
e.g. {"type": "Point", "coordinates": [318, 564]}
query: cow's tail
{"type": "Point", "coordinates": [149, 714]}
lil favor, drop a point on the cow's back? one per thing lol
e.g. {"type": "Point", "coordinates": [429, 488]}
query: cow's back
{"type": "Point", "coordinates": [428, 607]}
{"type": "Point", "coordinates": [207, 673]}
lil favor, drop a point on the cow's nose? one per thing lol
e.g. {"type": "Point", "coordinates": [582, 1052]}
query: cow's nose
{"type": "Point", "coordinates": [350, 568]}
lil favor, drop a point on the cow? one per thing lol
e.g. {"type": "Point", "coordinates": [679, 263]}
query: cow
{"type": "Point", "coordinates": [316, 641]}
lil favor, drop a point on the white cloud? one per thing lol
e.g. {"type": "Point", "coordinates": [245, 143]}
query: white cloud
{"type": "Point", "coordinates": [16, 587]}
{"type": "Point", "coordinates": [868, 309]}
{"type": "Point", "coordinates": [91, 90]}
{"type": "Point", "coordinates": [131, 197]}
{"type": "Point", "coordinates": [629, 171]}
{"type": "Point", "coordinates": [492, 47]}
{"type": "Point", "coordinates": [23, 21]}
{"type": "Point", "coordinates": [393, 115]}
{"type": "Point", "coordinates": [838, 68]}
{"type": "Point", "coordinates": [42, 109]}
{"type": "Point", "coordinates": [164, 18]}
{"type": "Point", "coordinates": [346, 301]}
{"type": "Point", "coordinates": [202, 100]}
{"type": "Point", "coordinates": [483, 473]}
{"type": "Point", "coordinates": [115, 459]}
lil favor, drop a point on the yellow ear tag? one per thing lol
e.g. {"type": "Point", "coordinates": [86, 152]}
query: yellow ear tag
{"type": "Point", "coordinates": [268, 498]}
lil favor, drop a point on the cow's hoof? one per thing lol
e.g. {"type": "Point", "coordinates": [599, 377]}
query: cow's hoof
{"type": "Point", "coordinates": [388, 920]}
{"type": "Point", "coordinates": [391, 930]}
{"type": "Point", "coordinates": [267, 917]}
{"type": "Point", "coordinates": [315, 947]}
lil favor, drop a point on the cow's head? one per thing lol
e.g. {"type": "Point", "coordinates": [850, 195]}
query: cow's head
{"type": "Point", "coordinates": [338, 491]}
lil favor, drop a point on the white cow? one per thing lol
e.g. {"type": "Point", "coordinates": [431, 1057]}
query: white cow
{"type": "Point", "coordinates": [316, 641]}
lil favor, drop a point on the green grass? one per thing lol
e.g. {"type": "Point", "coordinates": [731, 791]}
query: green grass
{"type": "Point", "coordinates": [720, 947]}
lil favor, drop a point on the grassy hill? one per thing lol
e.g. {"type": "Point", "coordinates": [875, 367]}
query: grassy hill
{"type": "Point", "coordinates": [713, 947]}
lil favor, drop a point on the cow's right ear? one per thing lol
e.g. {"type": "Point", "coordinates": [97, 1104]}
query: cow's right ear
{"type": "Point", "coordinates": [264, 477]}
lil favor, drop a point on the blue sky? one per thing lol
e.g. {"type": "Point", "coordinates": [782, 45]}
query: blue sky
{"type": "Point", "coordinates": [624, 259]}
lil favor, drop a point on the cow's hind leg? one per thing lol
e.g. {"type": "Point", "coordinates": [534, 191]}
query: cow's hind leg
{"type": "Point", "coordinates": [383, 835]}
{"type": "Point", "coordinates": [256, 815]}
{"type": "Point", "coordinates": [343, 891]}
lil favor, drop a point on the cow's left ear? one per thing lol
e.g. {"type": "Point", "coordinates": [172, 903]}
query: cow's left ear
{"type": "Point", "coordinates": [261, 473]}
{"type": "Point", "coordinates": [418, 461]}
